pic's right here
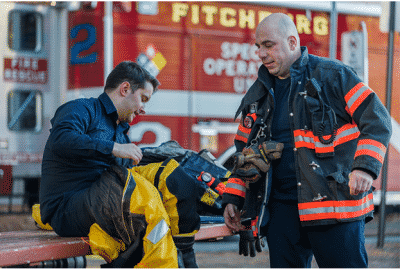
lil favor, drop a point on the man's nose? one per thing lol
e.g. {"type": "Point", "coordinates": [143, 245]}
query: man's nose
{"type": "Point", "coordinates": [261, 53]}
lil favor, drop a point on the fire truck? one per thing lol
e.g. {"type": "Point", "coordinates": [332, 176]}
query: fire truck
{"type": "Point", "coordinates": [203, 54]}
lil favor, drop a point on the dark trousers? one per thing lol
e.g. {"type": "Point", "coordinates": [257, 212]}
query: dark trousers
{"type": "Point", "coordinates": [339, 245]}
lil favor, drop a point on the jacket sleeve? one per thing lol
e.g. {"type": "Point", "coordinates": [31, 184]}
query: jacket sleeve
{"type": "Point", "coordinates": [235, 190]}
{"type": "Point", "coordinates": [372, 119]}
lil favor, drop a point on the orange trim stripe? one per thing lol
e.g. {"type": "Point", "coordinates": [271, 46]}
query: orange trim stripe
{"type": "Point", "coordinates": [359, 100]}
{"type": "Point", "coordinates": [244, 129]}
{"type": "Point", "coordinates": [306, 138]}
{"type": "Point", "coordinates": [337, 215]}
{"type": "Point", "coordinates": [362, 91]}
{"type": "Point", "coordinates": [373, 143]}
{"type": "Point", "coordinates": [335, 209]}
{"type": "Point", "coordinates": [235, 192]}
{"type": "Point", "coordinates": [241, 138]}
{"type": "Point", "coordinates": [236, 186]}
{"type": "Point", "coordinates": [355, 89]}
{"type": "Point", "coordinates": [371, 153]}
{"type": "Point", "coordinates": [318, 204]}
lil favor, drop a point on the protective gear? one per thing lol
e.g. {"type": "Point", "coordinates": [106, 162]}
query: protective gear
{"type": "Point", "coordinates": [250, 241]}
{"type": "Point", "coordinates": [212, 182]}
{"type": "Point", "coordinates": [38, 220]}
{"type": "Point", "coordinates": [322, 169]}
{"type": "Point", "coordinates": [142, 216]}
{"type": "Point", "coordinates": [255, 159]}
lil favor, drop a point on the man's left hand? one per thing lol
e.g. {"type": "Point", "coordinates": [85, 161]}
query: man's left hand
{"type": "Point", "coordinates": [359, 182]}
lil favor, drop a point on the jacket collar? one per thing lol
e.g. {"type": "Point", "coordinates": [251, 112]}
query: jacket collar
{"type": "Point", "coordinates": [108, 106]}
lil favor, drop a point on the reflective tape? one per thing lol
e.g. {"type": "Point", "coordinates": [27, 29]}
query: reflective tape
{"type": "Point", "coordinates": [371, 148]}
{"type": "Point", "coordinates": [356, 96]}
{"type": "Point", "coordinates": [336, 209]}
{"type": "Point", "coordinates": [307, 139]}
{"type": "Point", "coordinates": [158, 232]}
{"type": "Point", "coordinates": [236, 186]}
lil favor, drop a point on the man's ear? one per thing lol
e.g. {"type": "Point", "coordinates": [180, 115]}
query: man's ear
{"type": "Point", "coordinates": [292, 42]}
{"type": "Point", "coordinates": [124, 88]}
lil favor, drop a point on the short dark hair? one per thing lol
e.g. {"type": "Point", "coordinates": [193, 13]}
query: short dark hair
{"type": "Point", "coordinates": [132, 73]}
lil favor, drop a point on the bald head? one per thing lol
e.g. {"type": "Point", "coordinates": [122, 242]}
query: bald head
{"type": "Point", "coordinates": [279, 44]}
{"type": "Point", "coordinates": [280, 23]}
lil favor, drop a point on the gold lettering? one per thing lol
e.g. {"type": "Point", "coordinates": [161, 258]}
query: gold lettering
{"type": "Point", "coordinates": [262, 15]}
{"type": "Point", "coordinates": [223, 17]}
{"type": "Point", "coordinates": [291, 16]}
{"type": "Point", "coordinates": [210, 11]}
{"type": "Point", "coordinates": [195, 14]}
{"type": "Point", "coordinates": [179, 10]}
{"type": "Point", "coordinates": [320, 25]}
{"type": "Point", "coordinates": [248, 19]}
{"type": "Point", "coordinates": [303, 24]}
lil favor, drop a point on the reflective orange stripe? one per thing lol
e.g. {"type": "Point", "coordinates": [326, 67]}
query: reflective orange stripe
{"type": "Point", "coordinates": [244, 129]}
{"type": "Point", "coordinates": [307, 139]}
{"type": "Point", "coordinates": [369, 153]}
{"type": "Point", "coordinates": [356, 96]}
{"type": "Point", "coordinates": [372, 143]}
{"type": "Point", "coordinates": [236, 186]}
{"type": "Point", "coordinates": [241, 138]}
{"type": "Point", "coordinates": [335, 209]}
{"type": "Point", "coordinates": [371, 148]}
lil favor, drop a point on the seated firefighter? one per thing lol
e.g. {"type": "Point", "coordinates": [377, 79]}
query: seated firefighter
{"type": "Point", "coordinates": [134, 215]}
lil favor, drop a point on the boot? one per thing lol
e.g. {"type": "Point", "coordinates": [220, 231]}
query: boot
{"type": "Point", "coordinates": [185, 246]}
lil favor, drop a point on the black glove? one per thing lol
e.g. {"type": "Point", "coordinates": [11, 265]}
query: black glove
{"type": "Point", "coordinates": [250, 241]}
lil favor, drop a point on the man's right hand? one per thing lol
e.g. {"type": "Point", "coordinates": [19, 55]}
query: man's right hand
{"type": "Point", "coordinates": [233, 218]}
{"type": "Point", "coordinates": [128, 151]}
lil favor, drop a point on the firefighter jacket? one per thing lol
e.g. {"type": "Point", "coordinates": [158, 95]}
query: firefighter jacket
{"type": "Point", "coordinates": [338, 125]}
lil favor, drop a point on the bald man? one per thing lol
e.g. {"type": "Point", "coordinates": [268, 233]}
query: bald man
{"type": "Point", "coordinates": [315, 199]}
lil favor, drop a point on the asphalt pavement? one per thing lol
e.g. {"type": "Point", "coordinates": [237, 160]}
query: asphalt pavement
{"type": "Point", "coordinates": [223, 253]}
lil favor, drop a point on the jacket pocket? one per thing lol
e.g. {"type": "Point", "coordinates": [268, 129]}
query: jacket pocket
{"type": "Point", "coordinates": [338, 183]}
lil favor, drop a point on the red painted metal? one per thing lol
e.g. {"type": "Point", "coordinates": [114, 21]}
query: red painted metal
{"type": "Point", "coordinates": [27, 247]}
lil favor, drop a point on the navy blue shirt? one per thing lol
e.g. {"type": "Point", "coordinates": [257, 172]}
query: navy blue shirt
{"type": "Point", "coordinates": [284, 185]}
{"type": "Point", "coordinates": [79, 149]}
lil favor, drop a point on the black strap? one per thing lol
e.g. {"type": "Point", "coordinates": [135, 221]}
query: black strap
{"type": "Point", "coordinates": [160, 170]}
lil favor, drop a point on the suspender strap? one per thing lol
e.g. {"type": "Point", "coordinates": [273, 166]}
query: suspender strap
{"type": "Point", "coordinates": [160, 170]}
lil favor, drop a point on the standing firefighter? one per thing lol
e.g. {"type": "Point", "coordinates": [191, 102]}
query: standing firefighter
{"type": "Point", "coordinates": [316, 193]}
{"type": "Point", "coordinates": [134, 215]}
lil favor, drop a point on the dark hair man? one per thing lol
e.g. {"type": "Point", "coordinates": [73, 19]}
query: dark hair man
{"type": "Point", "coordinates": [91, 185]}
{"type": "Point", "coordinates": [317, 196]}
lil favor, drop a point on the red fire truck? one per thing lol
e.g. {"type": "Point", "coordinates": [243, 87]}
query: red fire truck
{"type": "Point", "coordinates": [203, 54]}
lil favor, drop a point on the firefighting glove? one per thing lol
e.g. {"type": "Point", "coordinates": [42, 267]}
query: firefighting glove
{"type": "Point", "coordinates": [250, 241]}
{"type": "Point", "coordinates": [255, 159]}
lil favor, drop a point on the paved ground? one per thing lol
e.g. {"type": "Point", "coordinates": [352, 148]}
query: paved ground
{"type": "Point", "coordinates": [223, 253]}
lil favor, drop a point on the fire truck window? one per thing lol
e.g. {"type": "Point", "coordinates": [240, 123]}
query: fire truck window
{"type": "Point", "coordinates": [24, 111]}
{"type": "Point", "coordinates": [25, 31]}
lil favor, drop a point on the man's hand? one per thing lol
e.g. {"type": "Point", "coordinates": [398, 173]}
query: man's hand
{"type": "Point", "coordinates": [233, 218]}
{"type": "Point", "coordinates": [127, 151]}
{"type": "Point", "coordinates": [359, 182]}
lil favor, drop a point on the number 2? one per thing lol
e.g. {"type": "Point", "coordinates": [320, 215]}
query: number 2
{"type": "Point", "coordinates": [78, 47]}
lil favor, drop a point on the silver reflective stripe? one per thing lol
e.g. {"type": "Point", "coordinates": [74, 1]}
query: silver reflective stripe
{"type": "Point", "coordinates": [356, 96]}
{"type": "Point", "coordinates": [371, 147]}
{"type": "Point", "coordinates": [158, 232]}
{"type": "Point", "coordinates": [236, 186]}
{"type": "Point", "coordinates": [332, 209]}
{"type": "Point", "coordinates": [340, 135]}
{"type": "Point", "coordinates": [243, 134]}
